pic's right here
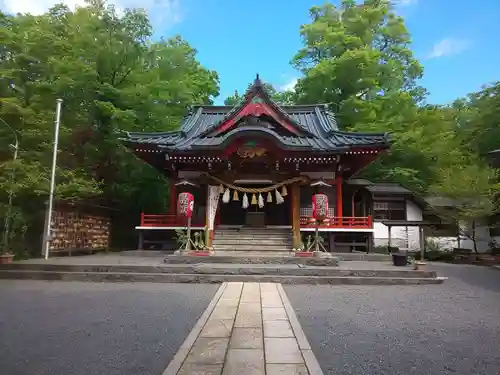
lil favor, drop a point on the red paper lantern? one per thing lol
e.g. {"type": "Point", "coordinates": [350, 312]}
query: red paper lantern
{"type": "Point", "coordinates": [185, 204]}
{"type": "Point", "coordinates": [320, 206]}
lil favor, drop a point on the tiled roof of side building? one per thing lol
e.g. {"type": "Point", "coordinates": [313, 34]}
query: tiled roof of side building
{"type": "Point", "coordinates": [388, 188]}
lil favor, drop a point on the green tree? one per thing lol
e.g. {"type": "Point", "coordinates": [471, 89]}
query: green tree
{"type": "Point", "coordinates": [473, 188]}
{"type": "Point", "coordinates": [280, 97]}
{"type": "Point", "coordinates": [233, 99]}
{"type": "Point", "coordinates": [479, 118]}
{"type": "Point", "coordinates": [356, 57]}
{"type": "Point", "coordinates": [111, 77]}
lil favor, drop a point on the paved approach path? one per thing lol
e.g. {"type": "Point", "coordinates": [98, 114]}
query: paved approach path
{"type": "Point", "coordinates": [248, 329]}
{"type": "Point", "coordinates": [448, 329]}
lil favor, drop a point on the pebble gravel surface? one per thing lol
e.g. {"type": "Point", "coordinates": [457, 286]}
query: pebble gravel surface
{"type": "Point", "coordinates": [453, 328]}
{"type": "Point", "coordinates": [72, 328]}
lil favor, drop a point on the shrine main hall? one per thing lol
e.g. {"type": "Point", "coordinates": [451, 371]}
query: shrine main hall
{"type": "Point", "coordinates": [254, 168]}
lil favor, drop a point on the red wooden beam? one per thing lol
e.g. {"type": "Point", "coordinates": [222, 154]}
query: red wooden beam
{"type": "Point", "coordinates": [255, 109]}
{"type": "Point", "coordinates": [339, 196]}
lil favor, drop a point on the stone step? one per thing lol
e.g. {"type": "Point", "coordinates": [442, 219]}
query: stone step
{"type": "Point", "coordinates": [250, 247]}
{"type": "Point", "coordinates": [214, 278]}
{"type": "Point", "coordinates": [276, 257]}
{"type": "Point", "coordinates": [242, 241]}
{"type": "Point", "coordinates": [252, 235]}
{"type": "Point", "coordinates": [254, 253]}
{"type": "Point", "coordinates": [223, 269]}
{"type": "Point", "coordinates": [255, 257]}
{"type": "Point", "coordinates": [355, 256]}
{"type": "Point", "coordinates": [253, 230]}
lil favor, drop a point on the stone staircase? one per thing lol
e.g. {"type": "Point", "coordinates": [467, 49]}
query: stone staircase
{"type": "Point", "coordinates": [269, 241]}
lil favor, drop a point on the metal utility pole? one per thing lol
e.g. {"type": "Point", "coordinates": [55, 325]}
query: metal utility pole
{"type": "Point", "coordinates": [47, 234]}
{"type": "Point", "coordinates": [11, 191]}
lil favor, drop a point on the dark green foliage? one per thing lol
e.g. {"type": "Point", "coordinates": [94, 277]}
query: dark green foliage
{"type": "Point", "coordinates": [111, 77]}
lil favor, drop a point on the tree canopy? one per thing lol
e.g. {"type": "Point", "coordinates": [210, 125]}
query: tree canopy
{"type": "Point", "coordinates": [280, 97]}
{"type": "Point", "coordinates": [111, 77]}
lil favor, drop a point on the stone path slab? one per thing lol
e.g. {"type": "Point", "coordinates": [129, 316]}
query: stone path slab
{"type": "Point", "coordinates": [248, 329]}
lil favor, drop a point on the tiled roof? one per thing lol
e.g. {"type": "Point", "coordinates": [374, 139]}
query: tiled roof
{"type": "Point", "coordinates": [315, 128]}
{"type": "Point", "coordinates": [388, 188]}
{"type": "Point", "coordinates": [438, 201]}
{"type": "Point", "coordinates": [314, 119]}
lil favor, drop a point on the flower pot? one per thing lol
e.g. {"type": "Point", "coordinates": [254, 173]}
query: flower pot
{"type": "Point", "coordinates": [304, 254]}
{"type": "Point", "coordinates": [6, 258]}
{"type": "Point", "coordinates": [418, 266]}
{"type": "Point", "coordinates": [200, 253]}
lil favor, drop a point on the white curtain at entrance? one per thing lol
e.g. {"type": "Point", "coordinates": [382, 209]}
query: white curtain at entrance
{"type": "Point", "coordinates": [213, 202]}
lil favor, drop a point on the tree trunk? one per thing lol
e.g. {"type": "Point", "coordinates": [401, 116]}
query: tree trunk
{"type": "Point", "coordinates": [474, 241]}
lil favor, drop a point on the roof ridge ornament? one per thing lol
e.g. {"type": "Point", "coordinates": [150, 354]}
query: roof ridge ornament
{"type": "Point", "coordinates": [257, 82]}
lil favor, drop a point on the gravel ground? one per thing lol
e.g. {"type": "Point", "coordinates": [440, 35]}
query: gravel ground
{"type": "Point", "coordinates": [453, 328]}
{"type": "Point", "coordinates": [71, 328]}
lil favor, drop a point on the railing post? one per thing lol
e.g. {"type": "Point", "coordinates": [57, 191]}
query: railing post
{"type": "Point", "coordinates": [370, 225]}
{"type": "Point", "coordinates": [142, 219]}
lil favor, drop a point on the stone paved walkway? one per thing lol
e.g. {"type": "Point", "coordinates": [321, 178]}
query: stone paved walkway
{"type": "Point", "coordinates": [249, 329]}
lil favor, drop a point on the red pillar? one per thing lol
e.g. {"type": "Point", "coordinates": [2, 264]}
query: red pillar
{"type": "Point", "coordinates": [339, 196]}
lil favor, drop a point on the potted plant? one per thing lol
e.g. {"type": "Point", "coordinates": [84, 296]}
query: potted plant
{"type": "Point", "coordinates": [418, 265]}
{"type": "Point", "coordinates": [12, 238]}
{"type": "Point", "coordinates": [6, 255]}
{"type": "Point", "coordinates": [304, 250]}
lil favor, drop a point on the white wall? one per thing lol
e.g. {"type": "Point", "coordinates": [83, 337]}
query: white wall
{"type": "Point", "coordinates": [402, 237]}
{"type": "Point", "coordinates": [408, 238]}
{"type": "Point", "coordinates": [482, 239]}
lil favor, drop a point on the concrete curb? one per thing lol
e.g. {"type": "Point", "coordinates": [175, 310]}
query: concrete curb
{"type": "Point", "coordinates": [176, 363]}
{"type": "Point", "coordinates": [213, 278]}
{"type": "Point", "coordinates": [309, 358]}
{"type": "Point", "coordinates": [221, 269]}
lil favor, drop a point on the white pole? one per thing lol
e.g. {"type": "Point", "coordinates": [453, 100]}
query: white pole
{"type": "Point", "coordinates": [52, 181]}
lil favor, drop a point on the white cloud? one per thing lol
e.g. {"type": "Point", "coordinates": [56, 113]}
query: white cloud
{"type": "Point", "coordinates": [448, 47]}
{"type": "Point", "coordinates": [290, 85]}
{"type": "Point", "coordinates": [160, 11]}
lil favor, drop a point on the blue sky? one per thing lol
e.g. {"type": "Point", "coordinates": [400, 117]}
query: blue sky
{"type": "Point", "coordinates": [457, 41]}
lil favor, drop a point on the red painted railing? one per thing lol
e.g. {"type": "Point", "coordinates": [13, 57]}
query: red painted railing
{"type": "Point", "coordinates": [166, 220]}
{"type": "Point", "coordinates": [338, 222]}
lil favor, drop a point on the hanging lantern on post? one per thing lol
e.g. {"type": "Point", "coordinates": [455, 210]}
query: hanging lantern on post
{"type": "Point", "coordinates": [320, 213]}
{"type": "Point", "coordinates": [320, 206]}
{"type": "Point", "coordinates": [185, 205]}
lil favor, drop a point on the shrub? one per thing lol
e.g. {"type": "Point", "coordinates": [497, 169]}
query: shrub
{"type": "Point", "coordinates": [435, 256]}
